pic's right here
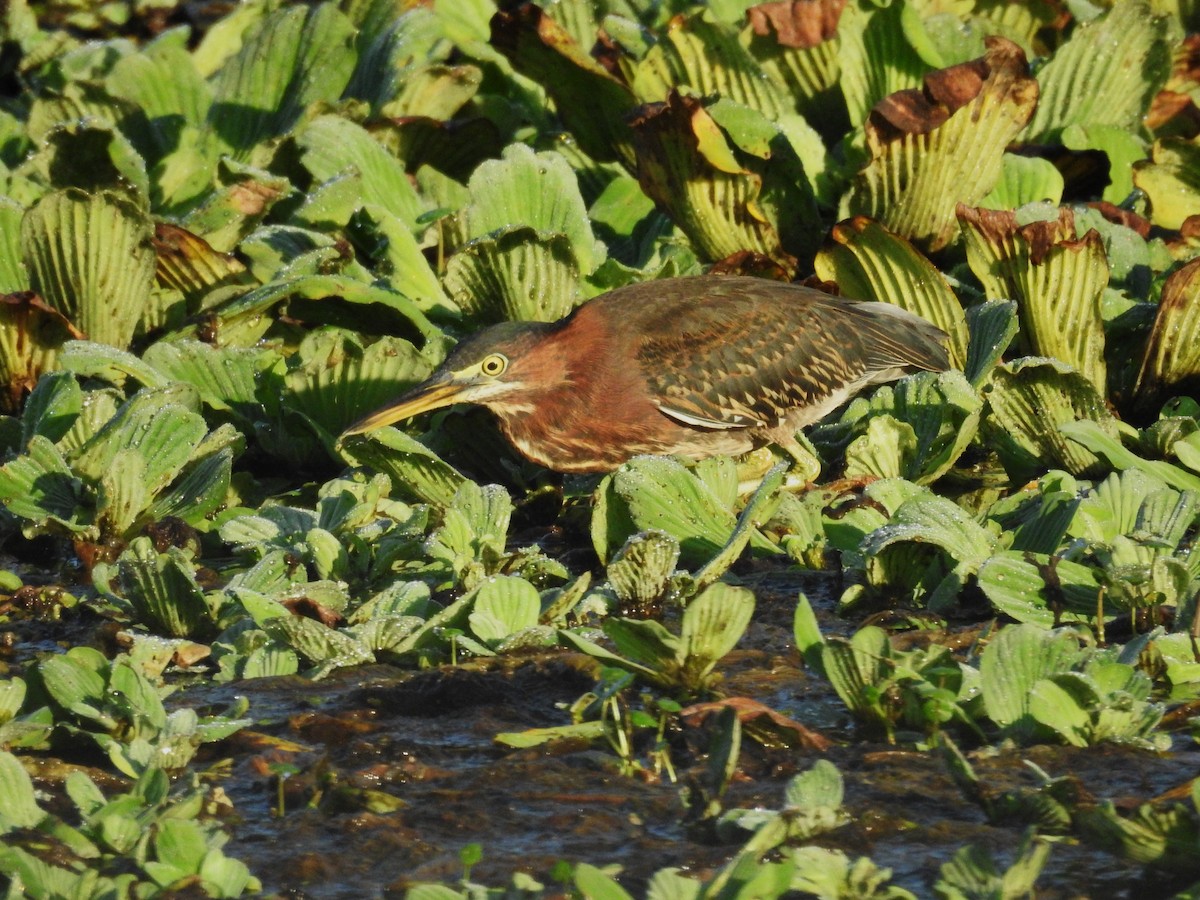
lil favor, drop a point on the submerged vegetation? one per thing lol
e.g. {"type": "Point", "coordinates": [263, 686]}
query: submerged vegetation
{"type": "Point", "coordinates": [224, 238]}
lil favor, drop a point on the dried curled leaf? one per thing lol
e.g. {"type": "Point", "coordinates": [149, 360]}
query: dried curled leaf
{"type": "Point", "coordinates": [941, 145]}
{"type": "Point", "coordinates": [796, 44]}
{"type": "Point", "coordinates": [1171, 179]}
{"type": "Point", "coordinates": [799, 24]}
{"type": "Point", "coordinates": [187, 263]}
{"type": "Point", "coordinates": [1056, 279]}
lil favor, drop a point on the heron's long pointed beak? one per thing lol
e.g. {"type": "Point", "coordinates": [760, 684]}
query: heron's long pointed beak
{"type": "Point", "coordinates": [439, 391]}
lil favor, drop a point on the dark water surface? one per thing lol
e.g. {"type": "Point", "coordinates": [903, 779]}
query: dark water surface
{"type": "Point", "coordinates": [424, 741]}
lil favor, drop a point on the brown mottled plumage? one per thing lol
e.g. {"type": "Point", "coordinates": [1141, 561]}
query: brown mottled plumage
{"type": "Point", "coordinates": [688, 366]}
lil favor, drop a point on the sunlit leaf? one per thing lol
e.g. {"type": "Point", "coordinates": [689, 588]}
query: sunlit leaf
{"type": "Point", "coordinates": [1024, 180]}
{"type": "Point", "coordinates": [1044, 590]}
{"type": "Point", "coordinates": [875, 57]}
{"type": "Point", "coordinates": [514, 275]}
{"type": "Point", "coordinates": [296, 56]}
{"type": "Point", "coordinates": [1106, 74]}
{"type": "Point", "coordinates": [331, 145]}
{"type": "Point", "coordinates": [161, 588]}
{"type": "Point", "coordinates": [415, 470]}
{"type": "Point", "coordinates": [712, 625]}
{"type": "Point", "coordinates": [934, 148]}
{"type": "Point", "coordinates": [1056, 279]}
{"type": "Point", "coordinates": [870, 263]}
{"type": "Point", "coordinates": [1096, 439]}
{"type": "Point", "coordinates": [503, 606]}
{"type": "Point", "coordinates": [1012, 663]}
{"type": "Point", "coordinates": [1173, 350]}
{"type": "Point", "coordinates": [654, 492]}
{"type": "Point", "coordinates": [90, 259]}
{"type": "Point", "coordinates": [641, 570]}
{"type": "Point", "coordinates": [687, 165]}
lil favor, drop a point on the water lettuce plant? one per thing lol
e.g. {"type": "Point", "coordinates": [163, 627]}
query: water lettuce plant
{"type": "Point", "coordinates": [223, 241]}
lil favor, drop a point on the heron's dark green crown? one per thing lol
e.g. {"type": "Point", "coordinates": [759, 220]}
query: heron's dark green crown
{"type": "Point", "coordinates": [509, 338]}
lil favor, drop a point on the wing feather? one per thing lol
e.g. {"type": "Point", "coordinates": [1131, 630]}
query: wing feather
{"type": "Point", "coordinates": [732, 361]}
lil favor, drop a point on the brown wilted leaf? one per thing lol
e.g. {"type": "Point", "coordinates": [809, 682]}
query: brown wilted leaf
{"type": "Point", "coordinates": [312, 609]}
{"type": "Point", "coordinates": [797, 23]}
{"type": "Point", "coordinates": [762, 718]}
{"type": "Point", "coordinates": [187, 263]}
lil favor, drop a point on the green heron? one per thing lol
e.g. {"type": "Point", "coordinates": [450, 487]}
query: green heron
{"type": "Point", "coordinates": [689, 366]}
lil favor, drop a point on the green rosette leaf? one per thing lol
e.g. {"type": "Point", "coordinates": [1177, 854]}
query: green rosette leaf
{"type": "Point", "coordinates": [416, 472]}
{"type": "Point", "coordinates": [1056, 280]}
{"type": "Point", "coordinates": [296, 56]}
{"type": "Point", "coordinates": [689, 166]}
{"type": "Point", "coordinates": [943, 145]}
{"type": "Point", "coordinates": [591, 102]}
{"type": "Point", "coordinates": [653, 492]}
{"type": "Point", "coordinates": [1025, 180]}
{"type": "Point", "coordinates": [161, 588]}
{"type": "Point", "coordinates": [640, 572]}
{"type": "Point", "coordinates": [797, 45]}
{"type": "Point", "coordinates": [517, 275]}
{"type": "Point", "coordinates": [332, 146]}
{"type": "Point", "coordinates": [91, 260]}
{"type": "Point", "coordinates": [875, 57]}
{"type": "Point", "coordinates": [1017, 659]}
{"type": "Point", "coordinates": [1040, 589]}
{"type": "Point", "coordinates": [1027, 402]}
{"type": "Point", "coordinates": [1106, 74]}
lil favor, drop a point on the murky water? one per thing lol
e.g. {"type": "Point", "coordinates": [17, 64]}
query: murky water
{"type": "Point", "coordinates": [425, 740]}
{"type": "Point", "coordinates": [387, 774]}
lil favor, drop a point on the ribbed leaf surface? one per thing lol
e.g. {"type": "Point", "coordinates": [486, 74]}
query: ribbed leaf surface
{"type": "Point", "coordinates": [519, 274]}
{"type": "Point", "coordinates": [868, 262]}
{"type": "Point", "coordinates": [932, 149]}
{"type": "Point", "coordinates": [641, 570]}
{"type": "Point", "coordinates": [687, 166]}
{"type": "Point", "coordinates": [1106, 74]}
{"type": "Point", "coordinates": [1056, 280]}
{"type": "Point", "coordinates": [90, 258]}
{"type": "Point", "coordinates": [297, 56]}
{"type": "Point", "coordinates": [1035, 588]}
{"type": "Point", "coordinates": [1027, 402]}
{"type": "Point", "coordinates": [1173, 350]}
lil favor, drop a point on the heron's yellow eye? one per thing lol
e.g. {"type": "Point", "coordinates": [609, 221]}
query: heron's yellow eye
{"type": "Point", "coordinates": [494, 365]}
